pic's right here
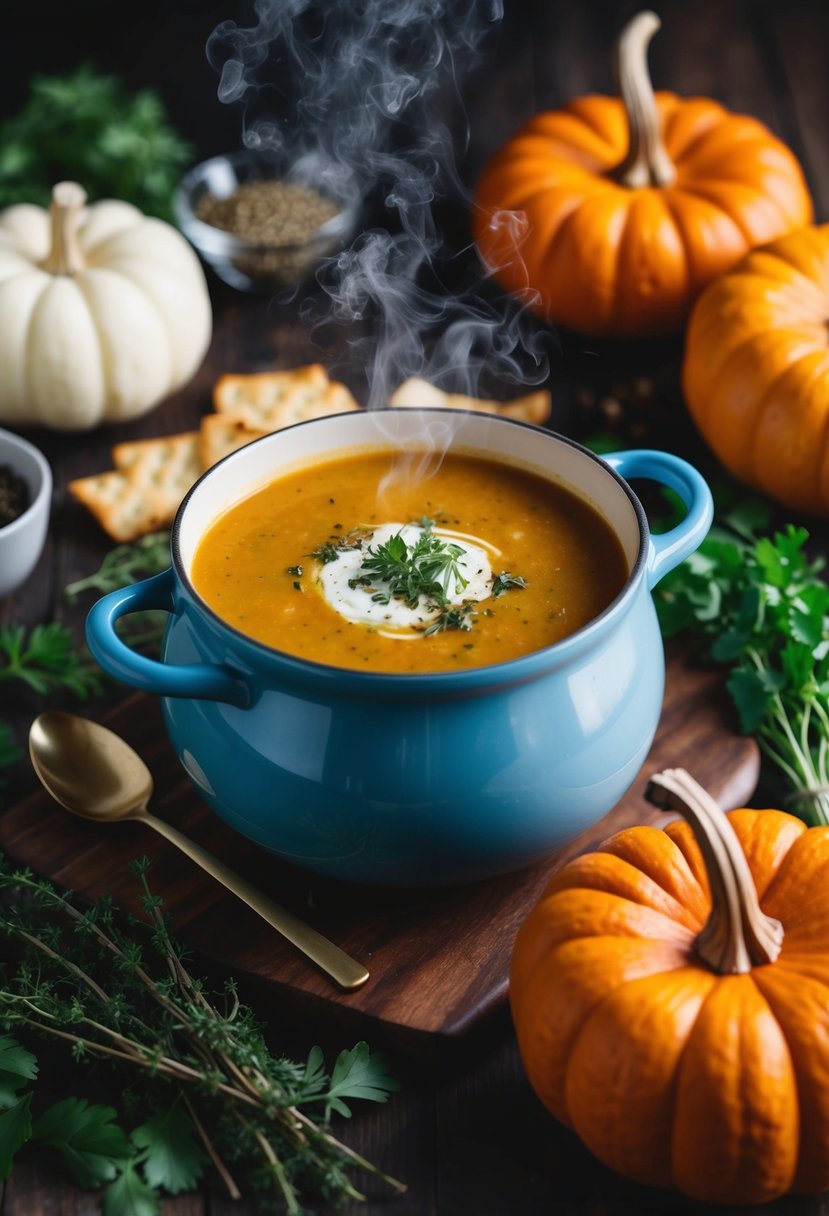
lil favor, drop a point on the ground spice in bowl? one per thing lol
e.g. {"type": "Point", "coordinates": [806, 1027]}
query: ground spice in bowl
{"type": "Point", "coordinates": [279, 218]}
{"type": "Point", "coordinates": [14, 495]}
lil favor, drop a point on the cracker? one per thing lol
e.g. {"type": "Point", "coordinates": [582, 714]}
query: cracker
{"type": "Point", "coordinates": [415, 393]}
{"type": "Point", "coordinates": [143, 493]}
{"type": "Point", "coordinates": [279, 398]}
{"type": "Point", "coordinates": [298, 400]}
{"type": "Point", "coordinates": [222, 434]}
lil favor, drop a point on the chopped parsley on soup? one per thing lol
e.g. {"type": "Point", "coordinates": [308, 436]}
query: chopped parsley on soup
{"type": "Point", "coordinates": [352, 563]}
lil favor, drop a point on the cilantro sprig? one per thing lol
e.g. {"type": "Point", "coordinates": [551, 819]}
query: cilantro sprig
{"type": "Point", "coordinates": [760, 606]}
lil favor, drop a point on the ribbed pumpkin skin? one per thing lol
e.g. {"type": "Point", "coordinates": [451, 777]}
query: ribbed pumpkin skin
{"type": "Point", "coordinates": [612, 261]}
{"type": "Point", "coordinates": [672, 1075]}
{"type": "Point", "coordinates": [756, 369]}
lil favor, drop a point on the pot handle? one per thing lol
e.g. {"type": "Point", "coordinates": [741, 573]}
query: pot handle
{"type": "Point", "coordinates": [204, 681]}
{"type": "Point", "coordinates": [668, 549]}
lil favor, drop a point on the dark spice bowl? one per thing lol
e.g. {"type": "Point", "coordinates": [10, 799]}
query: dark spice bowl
{"type": "Point", "coordinates": [23, 535]}
{"type": "Point", "coordinates": [261, 223]}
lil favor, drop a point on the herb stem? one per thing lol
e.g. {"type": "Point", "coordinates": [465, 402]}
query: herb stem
{"type": "Point", "coordinates": [212, 1152]}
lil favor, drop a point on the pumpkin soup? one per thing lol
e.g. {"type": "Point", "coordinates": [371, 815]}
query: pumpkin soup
{"type": "Point", "coordinates": [345, 562]}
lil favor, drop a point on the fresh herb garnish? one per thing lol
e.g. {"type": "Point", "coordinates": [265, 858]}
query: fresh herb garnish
{"type": "Point", "coordinates": [762, 607]}
{"type": "Point", "coordinates": [207, 1084]}
{"type": "Point", "coordinates": [89, 128]}
{"type": "Point", "coordinates": [453, 616]}
{"type": "Point", "coordinates": [427, 568]}
{"type": "Point", "coordinates": [327, 553]}
{"type": "Point", "coordinates": [504, 581]}
{"type": "Point", "coordinates": [295, 570]}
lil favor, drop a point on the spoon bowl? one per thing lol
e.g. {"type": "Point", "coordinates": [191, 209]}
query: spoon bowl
{"type": "Point", "coordinates": [95, 774]}
{"type": "Point", "coordinates": [87, 768]}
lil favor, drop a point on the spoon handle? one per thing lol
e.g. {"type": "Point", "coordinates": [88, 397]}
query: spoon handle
{"type": "Point", "coordinates": [347, 972]}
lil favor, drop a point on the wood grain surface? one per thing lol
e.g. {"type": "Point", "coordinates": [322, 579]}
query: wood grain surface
{"type": "Point", "coordinates": [439, 958]}
{"type": "Point", "coordinates": [467, 1134]}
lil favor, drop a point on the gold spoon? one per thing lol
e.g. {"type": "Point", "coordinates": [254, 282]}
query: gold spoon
{"type": "Point", "coordinates": [97, 775]}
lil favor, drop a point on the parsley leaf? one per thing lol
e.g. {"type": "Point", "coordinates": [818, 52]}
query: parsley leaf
{"type": "Point", "coordinates": [760, 605]}
{"type": "Point", "coordinates": [87, 127]}
{"type": "Point", "coordinates": [171, 1158]}
{"type": "Point", "coordinates": [15, 1130]}
{"type": "Point", "coordinates": [358, 1074]}
{"type": "Point", "coordinates": [131, 1195]}
{"type": "Point", "coordinates": [16, 1067]}
{"type": "Point", "coordinates": [87, 1138]}
{"type": "Point", "coordinates": [46, 660]}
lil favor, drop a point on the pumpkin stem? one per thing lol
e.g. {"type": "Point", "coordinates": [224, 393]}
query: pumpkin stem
{"type": "Point", "coordinates": [646, 163]}
{"type": "Point", "coordinates": [64, 256]}
{"type": "Point", "coordinates": [737, 935]}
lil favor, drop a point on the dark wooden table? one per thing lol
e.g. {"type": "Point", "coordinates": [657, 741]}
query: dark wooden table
{"type": "Point", "coordinates": [466, 1133]}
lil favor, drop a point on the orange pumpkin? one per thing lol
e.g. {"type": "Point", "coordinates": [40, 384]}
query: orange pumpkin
{"type": "Point", "coordinates": [610, 216]}
{"type": "Point", "coordinates": [670, 994]}
{"type": "Point", "coordinates": [756, 369]}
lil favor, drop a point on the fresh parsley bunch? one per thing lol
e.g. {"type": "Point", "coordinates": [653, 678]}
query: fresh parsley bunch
{"type": "Point", "coordinates": [761, 606]}
{"type": "Point", "coordinates": [88, 127]}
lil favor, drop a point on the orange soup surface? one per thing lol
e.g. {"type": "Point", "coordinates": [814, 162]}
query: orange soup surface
{"type": "Point", "coordinates": [511, 563]}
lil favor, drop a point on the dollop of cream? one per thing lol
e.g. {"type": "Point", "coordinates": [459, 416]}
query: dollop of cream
{"type": "Point", "coordinates": [396, 618]}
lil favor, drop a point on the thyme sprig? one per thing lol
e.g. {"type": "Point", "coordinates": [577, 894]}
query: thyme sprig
{"type": "Point", "coordinates": [120, 991]}
{"type": "Point", "coordinates": [125, 564]}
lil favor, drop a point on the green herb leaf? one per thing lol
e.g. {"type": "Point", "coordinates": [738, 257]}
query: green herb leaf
{"type": "Point", "coordinates": [130, 1195]}
{"type": "Point", "coordinates": [327, 553]}
{"type": "Point", "coordinates": [46, 660]}
{"type": "Point", "coordinates": [17, 1066]}
{"type": "Point", "coordinates": [171, 1158]}
{"type": "Point", "coordinates": [87, 127]}
{"type": "Point", "coordinates": [125, 564]}
{"type": "Point", "coordinates": [505, 582]}
{"type": "Point", "coordinates": [428, 568]}
{"type": "Point", "coordinates": [762, 607]}
{"type": "Point", "coordinates": [453, 616]}
{"type": "Point", "coordinates": [15, 1130]}
{"type": "Point", "coordinates": [87, 1138]}
{"type": "Point", "coordinates": [119, 990]}
{"type": "Point", "coordinates": [358, 1074]}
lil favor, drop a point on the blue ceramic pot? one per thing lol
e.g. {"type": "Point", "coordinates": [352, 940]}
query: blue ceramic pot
{"type": "Point", "coordinates": [415, 779]}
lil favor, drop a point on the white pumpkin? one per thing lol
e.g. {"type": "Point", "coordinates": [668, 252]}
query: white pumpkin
{"type": "Point", "coordinates": [103, 312]}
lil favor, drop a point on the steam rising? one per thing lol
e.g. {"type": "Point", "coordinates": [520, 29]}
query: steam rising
{"type": "Point", "coordinates": [349, 92]}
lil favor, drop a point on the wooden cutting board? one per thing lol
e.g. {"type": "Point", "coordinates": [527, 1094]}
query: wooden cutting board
{"type": "Point", "coordinates": [439, 959]}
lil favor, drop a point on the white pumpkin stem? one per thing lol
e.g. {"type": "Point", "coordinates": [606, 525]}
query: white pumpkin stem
{"type": "Point", "coordinates": [646, 163]}
{"type": "Point", "coordinates": [64, 256]}
{"type": "Point", "coordinates": [737, 935]}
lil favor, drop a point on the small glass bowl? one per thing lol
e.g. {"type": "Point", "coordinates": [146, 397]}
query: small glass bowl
{"type": "Point", "coordinates": [245, 264]}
